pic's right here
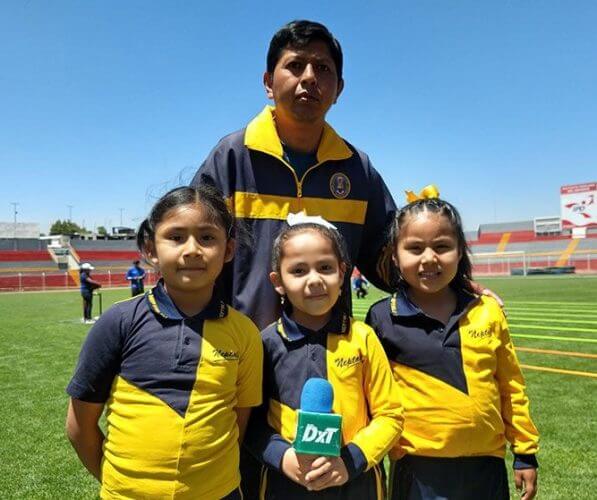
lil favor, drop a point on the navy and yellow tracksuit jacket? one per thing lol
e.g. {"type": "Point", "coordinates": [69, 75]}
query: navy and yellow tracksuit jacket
{"type": "Point", "coordinates": [262, 189]}
{"type": "Point", "coordinates": [462, 389]}
{"type": "Point", "coordinates": [348, 354]}
{"type": "Point", "coordinates": [170, 384]}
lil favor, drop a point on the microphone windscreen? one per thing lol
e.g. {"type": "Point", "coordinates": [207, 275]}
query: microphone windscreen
{"type": "Point", "coordinates": [317, 396]}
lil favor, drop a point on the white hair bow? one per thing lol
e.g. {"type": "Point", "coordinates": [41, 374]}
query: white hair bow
{"type": "Point", "coordinates": [303, 218]}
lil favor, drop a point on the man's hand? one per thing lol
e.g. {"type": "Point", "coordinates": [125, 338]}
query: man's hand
{"type": "Point", "coordinates": [326, 472]}
{"type": "Point", "coordinates": [481, 290]}
{"type": "Point", "coordinates": [296, 466]}
{"type": "Point", "coordinates": [526, 482]}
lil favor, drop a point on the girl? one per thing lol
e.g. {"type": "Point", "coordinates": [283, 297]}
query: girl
{"type": "Point", "coordinates": [315, 337]}
{"type": "Point", "coordinates": [461, 385]}
{"type": "Point", "coordinates": [176, 368]}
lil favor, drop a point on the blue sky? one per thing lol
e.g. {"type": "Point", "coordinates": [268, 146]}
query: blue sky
{"type": "Point", "coordinates": [107, 104]}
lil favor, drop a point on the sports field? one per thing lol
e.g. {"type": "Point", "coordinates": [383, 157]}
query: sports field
{"type": "Point", "coordinates": [553, 322]}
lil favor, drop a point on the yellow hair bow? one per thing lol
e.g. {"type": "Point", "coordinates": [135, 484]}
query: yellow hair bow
{"type": "Point", "coordinates": [427, 193]}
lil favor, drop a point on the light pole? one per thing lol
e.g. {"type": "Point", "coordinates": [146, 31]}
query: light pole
{"type": "Point", "coordinates": [121, 210]}
{"type": "Point", "coordinates": [70, 212]}
{"type": "Point", "coordinates": [14, 233]}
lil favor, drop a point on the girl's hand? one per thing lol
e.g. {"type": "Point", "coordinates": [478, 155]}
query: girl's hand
{"type": "Point", "coordinates": [526, 482]}
{"type": "Point", "coordinates": [326, 472]}
{"type": "Point", "coordinates": [85, 434]}
{"type": "Point", "coordinates": [296, 466]}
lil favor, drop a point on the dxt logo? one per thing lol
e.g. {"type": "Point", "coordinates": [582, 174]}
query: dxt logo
{"type": "Point", "coordinates": [312, 433]}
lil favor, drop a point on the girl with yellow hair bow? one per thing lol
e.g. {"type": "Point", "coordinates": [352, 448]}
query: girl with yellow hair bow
{"type": "Point", "coordinates": [462, 389]}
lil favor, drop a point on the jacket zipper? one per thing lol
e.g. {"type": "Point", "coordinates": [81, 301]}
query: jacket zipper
{"type": "Point", "coordinates": [299, 183]}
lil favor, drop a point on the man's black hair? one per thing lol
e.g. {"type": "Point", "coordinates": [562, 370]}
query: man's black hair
{"type": "Point", "coordinates": [298, 34]}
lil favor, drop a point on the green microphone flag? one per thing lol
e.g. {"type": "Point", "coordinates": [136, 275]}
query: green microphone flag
{"type": "Point", "coordinates": [318, 433]}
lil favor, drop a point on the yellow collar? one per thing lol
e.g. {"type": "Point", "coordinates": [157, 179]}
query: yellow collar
{"type": "Point", "coordinates": [261, 135]}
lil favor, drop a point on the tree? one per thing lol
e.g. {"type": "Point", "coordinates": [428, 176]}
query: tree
{"type": "Point", "coordinates": [66, 227]}
{"type": "Point", "coordinates": [101, 230]}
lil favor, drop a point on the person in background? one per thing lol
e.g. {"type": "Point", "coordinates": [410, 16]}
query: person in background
{"type": "Point", "coordinates": [359, 284]}
{"type": "Point", "coordinates": [136, 275]}
{"type": "Point", "coordinates": [88, 285]}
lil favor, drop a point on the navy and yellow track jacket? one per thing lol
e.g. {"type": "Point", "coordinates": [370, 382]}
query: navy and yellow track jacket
{"type": "Point", "coordinates": [348, 354]}
{"type": "Point", "coordinates": [462, 389]}
{"type": "Point", "coordinates": [262, 188]}
{"type": "Point", "coordinates": [170, 385]}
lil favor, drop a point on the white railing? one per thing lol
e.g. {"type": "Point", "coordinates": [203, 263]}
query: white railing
{"type": "Point", "coordinates": [520, 262]}
{"type": "Point", "coordinates": [61, 280]}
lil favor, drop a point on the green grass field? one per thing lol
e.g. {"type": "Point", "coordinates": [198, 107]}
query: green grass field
{"type": "Point", "coordinates": [553, 323]}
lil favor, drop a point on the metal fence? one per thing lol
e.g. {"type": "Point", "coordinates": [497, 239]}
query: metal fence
{"type": "Point", "coordinates": [484, 264]}
{"type": "Point", "coordinates": [61, 280]}
{"type": "Point", "coordinates": [507, 263]}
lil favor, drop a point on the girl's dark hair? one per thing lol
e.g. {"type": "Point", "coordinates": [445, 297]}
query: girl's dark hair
{"type": "Point", "coordinates": [338, 244]}
{"type": "Point", "coordinates": [209, 197]}
{"type": "Point", "coordinates": [462, 280]}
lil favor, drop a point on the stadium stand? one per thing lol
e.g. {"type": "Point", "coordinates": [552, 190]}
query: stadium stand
{"type": "Point", "coordinates": [22, 244]}
{"type": "Point", "coordinates": [24, 255]}
{"type": "Point", "coordinates": [31, 266]}
{"type": "Point", "coordinates": [498, 249]}
{"type": "Point", "coordinates": [105, 245]}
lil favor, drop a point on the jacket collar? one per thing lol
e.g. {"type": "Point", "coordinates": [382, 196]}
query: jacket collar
{"type": "Point", "coordinates": [291, 331]}
{"type": "Point", "coordinates": [261, 135]}
{"type": "Point", "coordinates": [401, 305]}
{"type": "Point", "coordinates": [161, 304]}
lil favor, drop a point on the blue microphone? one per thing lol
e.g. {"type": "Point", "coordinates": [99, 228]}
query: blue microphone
{"type": "Point", "coordinates": [318, 430]}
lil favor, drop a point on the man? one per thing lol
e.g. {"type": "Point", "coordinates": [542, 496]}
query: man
{"type": "Point", "coordinates": [287, 160]}
{"type": "Point", "coordinates": [88, 285]}
{"type": "Point", "coordinates": [136, 275]}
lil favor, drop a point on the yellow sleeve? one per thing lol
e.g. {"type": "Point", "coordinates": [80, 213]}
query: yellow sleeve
{"type": "Point", "coordinates": [520, 430]}
{"type": "Point", "coordinates": [385, 408]}
{"type": "Point", "coordinates": [250, 366]}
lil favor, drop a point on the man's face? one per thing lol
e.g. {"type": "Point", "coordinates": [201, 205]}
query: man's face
{"type": "Point", "coordinates": [304, 83]}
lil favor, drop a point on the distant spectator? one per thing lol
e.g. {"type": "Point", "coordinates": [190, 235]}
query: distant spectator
{"type": "Point", "coordinates": [136, 275]}
{"type": "Point", "coordinates": [360, 284]}
{"type": "Point", "coordinates": [87, 287]}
